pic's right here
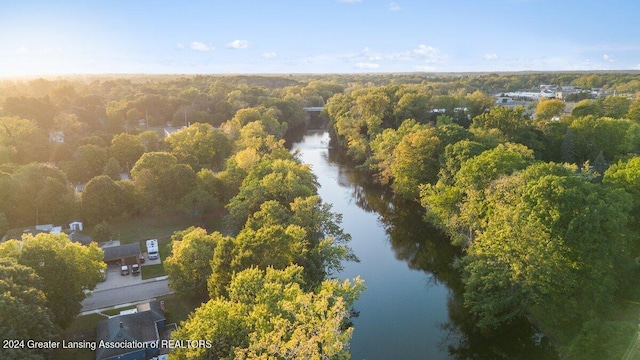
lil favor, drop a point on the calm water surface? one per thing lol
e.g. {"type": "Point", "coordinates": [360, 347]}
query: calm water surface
{"type": "Point", "coordinates": [411, 308]}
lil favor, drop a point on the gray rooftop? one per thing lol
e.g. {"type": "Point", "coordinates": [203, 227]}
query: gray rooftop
{"type": "Point", "coordinates": [114, 253]}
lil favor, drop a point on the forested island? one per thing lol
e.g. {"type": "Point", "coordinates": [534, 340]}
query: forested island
{"type": "Point", "coordinates": [539, 196]}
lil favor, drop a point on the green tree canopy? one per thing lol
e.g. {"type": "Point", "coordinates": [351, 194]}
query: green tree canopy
{"type": "Point", "coordinates": [66, 268]}
{"type": "Point", "coordinates": [24, 313]}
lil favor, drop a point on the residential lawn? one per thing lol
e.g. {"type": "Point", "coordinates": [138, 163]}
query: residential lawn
{"type": "Point", "coordinates": [177, 309]}
{"type": "Point", "coordinates": [152, 271]}
{"type": "Point", "coordinates": [149, 227]}
{"type": "Point", "coordinates": [84, 322]}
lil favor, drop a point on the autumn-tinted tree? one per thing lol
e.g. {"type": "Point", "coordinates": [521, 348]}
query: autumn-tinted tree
{"type": "Point", "coordinates": [268, 314]}
{"type": "Point", "coordinates": [200, 145]}
{"type": "Point", "coordinates": [547, 109]}
{"type": "Point", "coordinates": [416, 162]}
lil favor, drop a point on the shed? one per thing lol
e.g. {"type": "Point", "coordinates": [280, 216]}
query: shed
{"type": "Point", "coordinates": [76, 226]}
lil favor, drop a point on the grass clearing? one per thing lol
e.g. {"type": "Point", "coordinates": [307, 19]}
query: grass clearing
{"type": "Point", "coordinates": [84, 322]}
{"type": "Point", "coordinates": [149, 227]}
{"type": "Point", "coordinates": [152, 271]}
{"type": "Point", "coordinates": [178, 308]}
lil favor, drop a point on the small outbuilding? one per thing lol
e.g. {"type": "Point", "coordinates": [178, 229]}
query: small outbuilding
{"type": "Point", "coordinates": [76, 226]}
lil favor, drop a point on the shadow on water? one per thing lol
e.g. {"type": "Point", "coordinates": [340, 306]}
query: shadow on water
{"type": "Point", "coordinates": [425, 248]}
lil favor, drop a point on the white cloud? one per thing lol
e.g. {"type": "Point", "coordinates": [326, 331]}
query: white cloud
{"type": "Point", "coordinates": [362, 65]}
{"type": "Point", "coordinates": [238, 44]}
{"type": "Point", "coordinates": [198, 46]}
{"type": "Point", "coordinates": [394, 7]}
{"type": "Point", "coordinates": [490, 57]}
{"type": "Point", "coordinates": [268, 55]}
{"type": "Point", "coordinates": [22, 50]}
{"type": "Point", "coordinates": [607, 58]}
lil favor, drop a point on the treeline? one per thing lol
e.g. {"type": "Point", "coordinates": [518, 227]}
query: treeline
{"type": "Point", "coordinates": [95, 135]}
{"type": "Point", "coordinates": [545, 210]}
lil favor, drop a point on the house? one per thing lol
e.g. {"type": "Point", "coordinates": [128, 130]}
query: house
{"type": "Point", "coordinates": [145, 328]}
{"type": "Point", "coordinates": [122, 254]}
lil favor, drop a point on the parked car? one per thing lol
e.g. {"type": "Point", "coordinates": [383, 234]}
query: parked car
{"type": "Point", "coordinates": [124, 270]}
{"type": "Point", "coordinates": [141, 258]}
{"type": "Point", "coordinates": [135, 269]}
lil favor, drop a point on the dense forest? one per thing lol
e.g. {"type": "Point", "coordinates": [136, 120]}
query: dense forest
{"type": "Point", "coordinates": [542, 199]}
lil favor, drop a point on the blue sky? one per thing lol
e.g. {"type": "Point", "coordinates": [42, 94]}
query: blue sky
{"type": "Point", "coordinates": [316, 36]}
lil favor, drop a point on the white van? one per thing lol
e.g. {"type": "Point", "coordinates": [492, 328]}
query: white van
{"type": "Point", "coordinates": [152, 249]}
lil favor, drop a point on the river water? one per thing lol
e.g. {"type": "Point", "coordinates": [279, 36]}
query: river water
{"type": "Point", "coordinates": [412, 308]}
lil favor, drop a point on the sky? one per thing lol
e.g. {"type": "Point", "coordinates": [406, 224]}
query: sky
{"type": "Point", "coordinates": [315, 36]}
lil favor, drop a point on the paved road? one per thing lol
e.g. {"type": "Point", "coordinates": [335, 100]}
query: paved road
{"type": "Point", "coordinates": [123, 295]}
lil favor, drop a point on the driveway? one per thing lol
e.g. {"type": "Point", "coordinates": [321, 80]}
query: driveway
{"type": "Point", "coordinates": [123, 289]}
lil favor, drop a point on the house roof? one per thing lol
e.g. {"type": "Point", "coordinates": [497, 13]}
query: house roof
{"type": "Point", "coordinates": [141, 326]}
{"type": "Point", "coordinates": [114, 253]}
{"type": "Point", "coordinates": [77, 237]}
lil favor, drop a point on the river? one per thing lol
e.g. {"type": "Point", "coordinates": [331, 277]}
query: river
{"type": "Point", "coordinates": [412, 308]}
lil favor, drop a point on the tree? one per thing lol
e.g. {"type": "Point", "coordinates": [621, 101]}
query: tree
{"type": "Point", "coordinates": [90, 161]}
{"type": "Point", "coordinates": [42, 195]}
{"type": "Point", "coordinates": [281, 180]}
{"type": "Point", "coordinates": [268, 314]}
{"type": "Point", "coordinates": [112, 169]}
{"type": "Point", "coordinates": [127, 149]}
{"type": "Point", "coordinates": [102, 199]}
{"type": "Point", "coordinates": [514, 124]}
{"type": "Point", "coordinates": [461, 208]}
{"type": "Point", "coordinates": [101, 232]}
{"type": "Point", "coordinates": [547, 109]}
{"type": "Point", "coordinates": [188, 265]}
{"type": "Point", "coordinates": [67, 269]}
{"type": "Point", "coordinates": [586, 108]}
{"type": "Point", "coordinates": [161, 179]}
{"type": "Point", "coordinates": [616, 106]}
{"type": "Point", "coordinates": [200, 145]}
{"type": "Point", "coordinates": [416, 162]}
{"type": "Point", "coordinates": [23, 140]}
{"type": "Point", "coordinates": [478, 102]}
{"type": "Point", "coordinates": [383, 146]}
{"type": "Point", "coordinates": [23, 310]}
{"type": "Point", "coordinates": [554, 246]}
